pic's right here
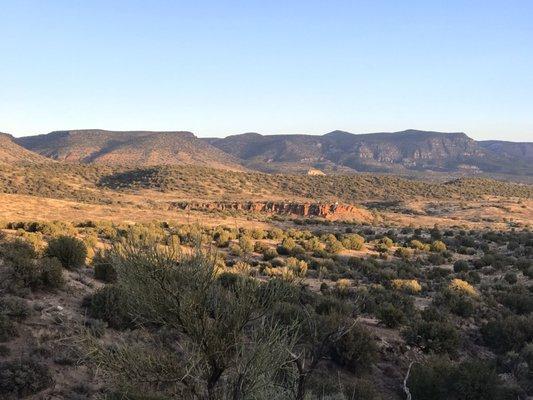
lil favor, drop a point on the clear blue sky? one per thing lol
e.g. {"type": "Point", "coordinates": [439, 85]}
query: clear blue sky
{"type": "Point", "coordinates": [226, 67]}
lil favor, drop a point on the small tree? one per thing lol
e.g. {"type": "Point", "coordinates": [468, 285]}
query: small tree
{"type": "Point", "coordinates": [227, 342]}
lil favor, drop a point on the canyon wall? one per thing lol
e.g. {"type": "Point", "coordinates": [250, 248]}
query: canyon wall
{"type": "Point", "coordinates": [330, 211]}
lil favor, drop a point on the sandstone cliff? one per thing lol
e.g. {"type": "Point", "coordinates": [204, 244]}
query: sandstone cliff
{"type": "Point", "coordinates": [330, 211]}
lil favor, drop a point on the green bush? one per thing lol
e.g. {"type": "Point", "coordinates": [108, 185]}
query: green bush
{"type": "Point", "coordinates": [355, 350]}
{"type": "Point", "coordinates": [22, 378]}
{"type": "Point", "coordinates": [103, 269]}
{"type": "Point", "coordinates": [390, 315]}
{"type": "Point", "coordinates": [508, 334]}
{"type": "Point", "coordinates": [456, 302]}
{"type": "Point", "coordinates": [270, 254]}
{"type": "Point", "coordinates": [461, 266]}
{"type": "Point", "coordinates": [353, 241]}
{"type": "Point", "coordinates": [71, 252]}
{"type": "Point", "coordinates": [439, 379]}
{"type": "Point", "coordinates": [19, 257]}
{"type": "Point", "coordinates": [52, 273]}
{"type": "Point", "coordinates": [433, 334]}
{"type": "Point", "coordinates": [109, 304]}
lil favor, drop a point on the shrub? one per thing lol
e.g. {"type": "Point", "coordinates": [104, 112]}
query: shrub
{"type": "Point", "coordinates": [332, 244]}
{"type": "Point", "coordinates": [511, 277]}
{"type": "Point", "coordinates": [103, 269]}
{"type": "Point", "coordinates": [403, 252]}
{"type": "Point", "coordinates": [507, 334]}
{"type": "Point", "coordinates": [520, 301]}
{"type": "Point", "coordinates": [461, 266]}
{"type": "Point", "coordinates": [457, 302]}
{"type": "Point", "coordinates": [19, 257]}
{"type": "Point", "coordinates": [418, 245]}
{"type": "Point", "coordinates": [388, 242]}
{"type": "Point", "coordinates": [260, 247]}
{"type": "Point", "coordinates": [299, 267]}
{"type": "Point", "coordinates": [353, 241]}
{"type": "Point", "coordinates": [406, 285]}
{"type": "Point", "coordinates": [439, 379]}
{"type": "Point", "coordinates": [14, 307]}
{"type": "Point", "coordinates": [356, 350]}
{"type": "Point", "coordinates": [52, 273]}
{"type": "Point", "coordinates": [287, 246]}
{"type": "Point", "coordinates": [235, 250]}
{"type": "Point", "coordinates": [222, 238]}
{"type": "Point", "coordinates": [242, 268]}
{"type": "Point", "coordinates": [246, 244]}
{"type": "Point", "coordinates": [433, 335]}
{"type": "Point", "coordinates": [438, 246]}
{"type": "Point", "coordinates": [390, 315]}
{"type": "Point", "coordinates": [269, 254]}
{"type": "Point", "coordinates": [109, 304]}
{"type": "Point", "coordinates": [460, 286]}
{"type": "Point", "coordinates": [22, 378]}
{"type": "Point", "coordinates": [71, 252]}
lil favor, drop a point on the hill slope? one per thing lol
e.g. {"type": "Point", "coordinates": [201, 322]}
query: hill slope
{"type": "Point", "coordinates": [128, 148]}
{"type": "Point", "coordinates": [377, 152]}
{"type": "Point", "coordinates": [11, 152]}
{"type": "Point", "coordinates": [511, 150]}
{"type": "Point", "coordinates": [408, 152]}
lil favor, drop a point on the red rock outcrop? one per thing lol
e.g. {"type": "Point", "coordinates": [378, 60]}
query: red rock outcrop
{"type": "Point", "coordinates": [330, 211]}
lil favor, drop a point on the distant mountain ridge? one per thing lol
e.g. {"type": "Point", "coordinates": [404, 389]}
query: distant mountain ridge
{"type": "Point", "coordinates": [337, 151]}
{"type": "Point", "coordinates": [129, 148]}
{"type": "Point", "coordinates": [409, 150]}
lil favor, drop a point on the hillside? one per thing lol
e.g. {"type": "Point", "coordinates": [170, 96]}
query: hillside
{"type": "Point", "coordinates": [128, 148]}
{"type": "Point", "coordinates": [410, 152]}
{"type": "Point", "coordinates": [511, 150]}
{"type": "Point", "coordinates": [397, 152]}
{"type": "Point", "coordinates": [10, 152]}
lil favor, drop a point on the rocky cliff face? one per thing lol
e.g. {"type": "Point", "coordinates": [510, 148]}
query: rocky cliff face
{"type": "Point", "coordinates": [376, 152]}
{"type": "Point", "coordinates": [330, 211]}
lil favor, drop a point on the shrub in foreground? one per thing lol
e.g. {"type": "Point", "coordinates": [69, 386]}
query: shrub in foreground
{"type": "Point", "coordinates": [22, 378]}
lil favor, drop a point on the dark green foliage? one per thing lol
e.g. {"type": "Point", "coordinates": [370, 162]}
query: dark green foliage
{"type": "Point", "coordinates": [70, 251]}
{"type": "Point", "coordinates": [355, 350]}
{"type": "Point", "coordinates": [110, 305]}
{"type": "Point", "coordinates": [103, 268]}
{"type": "Point", "coordinates": [22, 378]}
{"type": "Point", "coordinates": [439, 379]}
{"type": "Point", "coordinates": [390, 315]}
{"type": "Point", "coordinates": [461, 266]}
{"type": "Point", "coordinates": [52, 273]}
{"type": "Point", "coordinates": [26, 271]}
{"type": "Point", "coordinates": [20, 258]}
{"type": "Point", "coordinates": [433, 333]}
{"type": "Point", "coordinates": [456, 302]}
{"type": "Point", "coordinates": [510, 333]}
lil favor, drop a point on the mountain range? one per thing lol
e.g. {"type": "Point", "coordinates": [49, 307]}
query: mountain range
{"type": "Point", "coordinates": [337, 151]}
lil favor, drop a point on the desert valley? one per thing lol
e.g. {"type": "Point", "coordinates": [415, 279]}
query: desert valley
{"type": "Point", "coordinates": [158, 265]}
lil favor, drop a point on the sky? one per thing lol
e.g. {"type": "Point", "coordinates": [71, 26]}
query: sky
{"type": "Point", "coordinates": [218, 68]}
